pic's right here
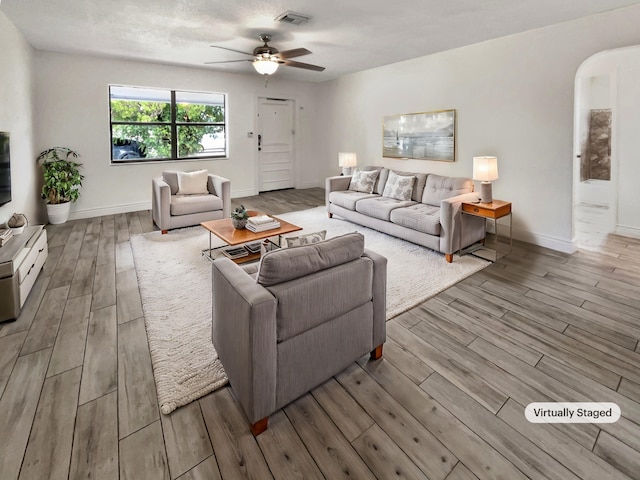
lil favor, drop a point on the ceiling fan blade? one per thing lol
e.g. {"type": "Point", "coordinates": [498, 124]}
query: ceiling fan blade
{"type": "Point", "coordinates": [231, 50]}
{"type": "Point", "coordinates": [306, 66]}
{"type": "Point", "coordinates": [296, 52]}
{"type": "Point", "coordinates": [227, 61]}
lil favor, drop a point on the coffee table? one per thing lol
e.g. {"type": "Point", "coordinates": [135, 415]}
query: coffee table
{"type": "Point", "coordinates": [225, 231]}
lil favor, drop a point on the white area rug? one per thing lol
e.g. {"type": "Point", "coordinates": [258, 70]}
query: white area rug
{"type": "Point", "coordinates": [175, 285]}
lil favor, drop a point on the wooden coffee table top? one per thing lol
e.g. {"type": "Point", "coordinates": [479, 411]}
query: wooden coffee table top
{"type": "Point", "coordinates": [224, 230]}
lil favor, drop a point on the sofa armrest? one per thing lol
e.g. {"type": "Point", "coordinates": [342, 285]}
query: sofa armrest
{"type": "Point", "coordinates": [379, 297]}
{"type": "Point", "coordinates": [221, 187]}
{"type": "Point", "coordinates": [450, 219]}
{"type": "Point", "coordinates": [161, 203]}
{"type": "Point", "coordinates": [335, 184]}
{"type": "Point", "coordinates": [244, 335]}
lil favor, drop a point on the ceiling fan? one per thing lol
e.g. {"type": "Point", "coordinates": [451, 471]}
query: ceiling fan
{"type": "Point", "coordinates": [267, 59]}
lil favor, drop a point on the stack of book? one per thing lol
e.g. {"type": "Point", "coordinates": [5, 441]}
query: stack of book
{"type": "Point", "coordinates": [235, 252]}
{"type": "Point", "coordinates": [262, 223]}
{"type": "Point", "coordinates": [253, 247]}
{"type": "Point", "coordinates": [5, 235]}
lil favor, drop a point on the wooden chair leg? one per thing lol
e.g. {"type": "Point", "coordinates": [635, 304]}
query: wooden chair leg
{"type": "Point", "coordinates": [330, 214]}
{"type": "Point", "coordinates": [259, 427]}
{"type": "Point", "coordinates": [448, 257]}
{"type": "Point", "coordinates": [164, 232]}
{"type": "Point", "coordinates": [376, 353]}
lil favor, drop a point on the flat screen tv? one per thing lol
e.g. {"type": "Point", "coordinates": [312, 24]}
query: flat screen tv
{"type": "Point", "coordinates": [5, 169]}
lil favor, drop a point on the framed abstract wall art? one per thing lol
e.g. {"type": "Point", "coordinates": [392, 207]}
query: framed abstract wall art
{"type": "Point", "coordinates": [423, 136]}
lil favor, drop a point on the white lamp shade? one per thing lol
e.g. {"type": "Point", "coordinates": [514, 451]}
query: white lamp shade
{"type": "Point", "coordinates": [485, 168]}
{"type": "Point", "coordinates": [347, 159]}
{"type": "Point", "coordinates": [265, 66]}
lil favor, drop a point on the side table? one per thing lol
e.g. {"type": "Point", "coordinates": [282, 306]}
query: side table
{"type": "Point", "coordinates": [491, 212]}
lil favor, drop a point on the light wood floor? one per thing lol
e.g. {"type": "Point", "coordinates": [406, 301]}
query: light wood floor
{"type": "Point", "coordinates": [445, 402]}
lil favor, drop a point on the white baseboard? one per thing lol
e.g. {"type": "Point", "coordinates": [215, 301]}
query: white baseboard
{"type": "Point", "coordinates": [112, 210]}
{"type": "Point", "coordinates": [247, 192]}
{"type": "Point", "coordinates": [554, 243]}
{"type": "Point", "coordinates": [310, 184]}
{"type": "Point", "coordinates": [627, 231]}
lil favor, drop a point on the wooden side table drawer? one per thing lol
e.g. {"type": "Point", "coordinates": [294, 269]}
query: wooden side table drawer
{"type": "Point", "coordinates": [483, 210]}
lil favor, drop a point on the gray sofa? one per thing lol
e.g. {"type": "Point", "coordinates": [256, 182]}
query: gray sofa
{"type": "Point", "coordinates": [170, 210]}
{"type": "Point", "coordinates": [431, 217]}
{"type": "Point", "coordinates": [309, 312]}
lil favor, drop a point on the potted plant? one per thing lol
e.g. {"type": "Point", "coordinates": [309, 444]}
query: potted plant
{"type": "Point", "coordinates": [239, 217]}
{"type": "Point", "coordinates": [62, 180]}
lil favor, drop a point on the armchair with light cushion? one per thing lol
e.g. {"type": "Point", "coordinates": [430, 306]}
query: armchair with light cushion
{"type": "Point", "coordinates": [310, 312]}
{"type": "Point", "coordinates": [182, 199]}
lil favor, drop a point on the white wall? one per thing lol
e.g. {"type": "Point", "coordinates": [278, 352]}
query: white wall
{"type": "Point", "coordinates": [72, 110]}
{"type": "Point", "coordinates": [514, 99]}
{"type": "Point", "coordinates": [16, 103]}
{"type": "Point", "coordinates": [628, 222]}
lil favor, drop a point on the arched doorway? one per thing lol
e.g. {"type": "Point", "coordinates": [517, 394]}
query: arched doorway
{"type": "Point", "coordinates": [607, 148]}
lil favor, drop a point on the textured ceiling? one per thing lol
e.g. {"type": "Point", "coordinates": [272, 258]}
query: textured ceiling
{"type": "Point", "coordinates": [344, 36]}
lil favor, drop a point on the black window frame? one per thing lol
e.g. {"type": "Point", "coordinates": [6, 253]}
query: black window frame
{"type": "Point", "coordinates": [174, 124]}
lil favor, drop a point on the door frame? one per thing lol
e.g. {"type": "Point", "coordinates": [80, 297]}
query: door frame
{"type": "Point", "coordinates": [294, 147]}
{"type": "Point", "coordinates": [607, 62]}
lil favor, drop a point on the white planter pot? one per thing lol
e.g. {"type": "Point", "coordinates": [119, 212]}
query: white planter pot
{"type": "Point", "coordinates": [58, 213]}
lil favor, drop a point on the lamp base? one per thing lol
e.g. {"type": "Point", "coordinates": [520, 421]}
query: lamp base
{"type": "Point", "coordinates": [485, 192]}
{"type": "Point", "coordinates": [346, 171]}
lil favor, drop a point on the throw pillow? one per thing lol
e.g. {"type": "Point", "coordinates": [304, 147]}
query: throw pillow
{"type": "Point", "coordinates": [398, 186]}
{"type": "Point", "coordinates": [362, 181]}
{"type": "Point", "coordinates": [307, 239]}
{"type": "Point", "coordinates": [193, 183]}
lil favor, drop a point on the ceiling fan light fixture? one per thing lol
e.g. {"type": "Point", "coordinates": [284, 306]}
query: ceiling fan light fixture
{"type": "Point", "coordinates": [265, 66]}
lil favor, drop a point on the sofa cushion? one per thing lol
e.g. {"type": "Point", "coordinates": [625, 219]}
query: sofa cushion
{"type": "Point", "coordinates": [382, 176]}
{"type": "Point", "coordinates": [420, 217]}
{"type": "Point", "coordinates": [362, 181]}
{"type": "Point", "coordinates": [306, 239]}
{"type": "Point", "coordinates": [287, 264]}
{"type": "Point", "coordinates": [438, 188]}
{"type": "Point", "coordinates": [171, 178]}
{"type": "Point", "coordinates": [380, 207]}
{"type": "Point", "coordinates": [193, 183]}
{"type": "Point", "coordinates": [333, 292]}
{"type": "Point", "coordinates": [347, 199]}
{"type": "Point", "coordinates": [188, 204]}
{"type": "Point", "coordinates": [382, 181]}
{"type": "Point", "coordinates": [399, 187]}
{"type": "Point", "coordinates": [418, 187]}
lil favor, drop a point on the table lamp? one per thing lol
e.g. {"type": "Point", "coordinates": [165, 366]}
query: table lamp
{"type": "Point", "coordinates": [347, 160]}
{"type": "Point", "coordinates": [485, 169]}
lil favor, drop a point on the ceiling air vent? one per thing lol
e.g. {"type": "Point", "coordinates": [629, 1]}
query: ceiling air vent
{"type": "Point", "coordinates": [292, 18]}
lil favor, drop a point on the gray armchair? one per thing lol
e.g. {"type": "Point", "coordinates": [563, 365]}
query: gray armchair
{"type": "Point", "coordinates": [170, 210]}
{"type": "Point", "coordinates": [309, 313]}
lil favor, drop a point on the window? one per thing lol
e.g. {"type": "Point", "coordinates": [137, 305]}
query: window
{"type": "Point", "coordinates": [149, 124]}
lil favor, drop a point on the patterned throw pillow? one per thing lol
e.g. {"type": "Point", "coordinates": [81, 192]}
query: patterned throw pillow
{"type": "Point", "coordinates": [307, 239]}
{"type": "Point", "coordinates": [398, 187]}
{"type": "Point", "coordinates": [362, 181]}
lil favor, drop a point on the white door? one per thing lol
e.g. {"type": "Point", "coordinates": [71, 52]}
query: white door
{"type": "Point", "coordinates": [275, 144]}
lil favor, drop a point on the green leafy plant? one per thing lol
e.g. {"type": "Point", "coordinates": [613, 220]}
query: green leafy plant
{"type": "Point", "coordinates": [149, 124]}
{"type": "Point", "coordinates": [62, 178]}
{"type": "Point", "coordinates": [240, 213]}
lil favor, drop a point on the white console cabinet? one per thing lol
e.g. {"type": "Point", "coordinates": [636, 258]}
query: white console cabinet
{"type": "Point", "coordinates": [21, 260]}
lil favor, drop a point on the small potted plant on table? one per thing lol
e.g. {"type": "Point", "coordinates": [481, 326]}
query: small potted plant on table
{"type": "Point", "coordinates": [62, 180]}
{"type": "Point", "coordinates": [239, 217]}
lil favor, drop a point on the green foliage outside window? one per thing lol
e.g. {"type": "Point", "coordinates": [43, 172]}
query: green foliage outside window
{"type": "Point", "coordinates": [149, 124]}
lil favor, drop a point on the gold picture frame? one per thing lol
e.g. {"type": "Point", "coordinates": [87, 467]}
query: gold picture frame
{"type": "Point", "coordinates": [422, 136]}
